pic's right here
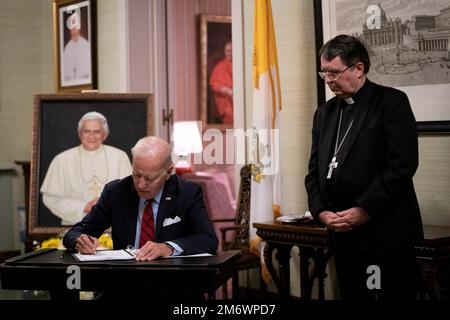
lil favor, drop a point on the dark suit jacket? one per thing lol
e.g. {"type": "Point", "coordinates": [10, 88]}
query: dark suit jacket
{"type": "Point", "coordinates": [118, 208]}
{"type": "Point", "coordinates": [375, 170]}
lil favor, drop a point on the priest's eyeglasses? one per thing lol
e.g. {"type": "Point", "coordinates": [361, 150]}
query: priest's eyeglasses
{"type": "Point", "coordinates": [333, 75]}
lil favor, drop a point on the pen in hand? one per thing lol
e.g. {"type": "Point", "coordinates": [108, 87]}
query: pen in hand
{"type": "Point", "coordinates": [86, 244]}
{"type": "Point", "coordinates": [93, 242]}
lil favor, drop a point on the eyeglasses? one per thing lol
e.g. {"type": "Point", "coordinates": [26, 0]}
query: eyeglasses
{"type": "Point", "coordinates": [333, 75]}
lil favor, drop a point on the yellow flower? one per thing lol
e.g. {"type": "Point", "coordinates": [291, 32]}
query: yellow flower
{"type": "Point", "coordinates": [105, 241]}
{"type": "Point", "coordinates": [52, 243]}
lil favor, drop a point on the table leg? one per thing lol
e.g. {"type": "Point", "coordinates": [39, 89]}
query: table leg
{"type": "Point", "coordinates": [282, 281]}
{"type": "Point", "coordinates": [320, 258]}
{"type": "Point", "coordinates": [429, 279]}
{"type": "Point", "coordinates": [268, 250]}
{"type": "Point", "coordinates": [305, 287]}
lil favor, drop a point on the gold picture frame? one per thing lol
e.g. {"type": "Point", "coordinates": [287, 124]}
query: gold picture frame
{"type": "Point", "coordinates": [215, 34]}
{"type": "Point", "coordinates": [74, 28]}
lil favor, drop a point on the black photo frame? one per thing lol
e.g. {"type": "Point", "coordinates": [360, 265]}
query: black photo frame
{"type": "Point", "coordinates": [56, 116]}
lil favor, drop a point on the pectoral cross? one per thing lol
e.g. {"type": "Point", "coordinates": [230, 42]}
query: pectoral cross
{"type": "Point", "coordinates": [333, 165]}
{"type": "Point", "coordinates": [95, 188]}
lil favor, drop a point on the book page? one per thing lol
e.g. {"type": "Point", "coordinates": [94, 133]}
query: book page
{"type": "Point", "coordinates": [105, 255]}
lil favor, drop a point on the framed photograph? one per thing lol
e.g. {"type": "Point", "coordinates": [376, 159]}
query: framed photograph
{"type": "Point", "coordinates": [408, 44]}
{"type": "Point", "coordinates": [216, 72]}
{"type": "Point", "coordinates": [74, 24]}
{"type": "Point", "coordinates": [73, 159]}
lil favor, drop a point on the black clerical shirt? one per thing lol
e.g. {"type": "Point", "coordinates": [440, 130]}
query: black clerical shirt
{"type": "Point", "coordinates": [349, 113]}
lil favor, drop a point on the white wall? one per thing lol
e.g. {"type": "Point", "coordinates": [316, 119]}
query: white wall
{"type": "Point", "coordinates": [432, 179]}
{"type": "Point", "coordinates": [26, 68]}
{"type": "Point", "coordinates": [108, 43]}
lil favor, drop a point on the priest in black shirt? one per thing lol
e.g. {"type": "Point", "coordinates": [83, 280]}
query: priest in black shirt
{"type": "Point", "coordinates": [364, 154]}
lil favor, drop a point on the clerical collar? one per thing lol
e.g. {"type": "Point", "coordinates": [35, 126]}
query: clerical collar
{"type": "Point", "coordinates": [91, 152]}
{"type": "Point", "coordinates": [349, 100]}
{"type": "Point", "coordinates": [354, 98]}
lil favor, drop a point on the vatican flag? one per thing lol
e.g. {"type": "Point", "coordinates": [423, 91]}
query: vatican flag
{"type": "Point", "coordinates": [265, 188]}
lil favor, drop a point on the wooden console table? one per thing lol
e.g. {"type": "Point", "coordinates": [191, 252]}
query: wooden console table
{"type": "Point", "coordinates": [433, 257]}
{"type": "Point", "coordinates": [312, 242]}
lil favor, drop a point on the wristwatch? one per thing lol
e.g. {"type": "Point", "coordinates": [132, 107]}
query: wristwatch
{"type": "Point", "coordinates": [172, 249]}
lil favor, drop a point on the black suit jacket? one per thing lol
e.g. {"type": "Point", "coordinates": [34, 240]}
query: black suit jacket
{"type": "Point", "coordinates": [375, 170]}
{"type": "Point", "coordinates": [118, 208]}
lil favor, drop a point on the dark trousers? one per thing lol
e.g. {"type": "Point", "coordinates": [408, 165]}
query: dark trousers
{"type": "Point", "coordinates": [397, 270]}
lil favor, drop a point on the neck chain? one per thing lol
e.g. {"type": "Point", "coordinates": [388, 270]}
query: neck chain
{"type": "Point", "coordinates": [337, 146]}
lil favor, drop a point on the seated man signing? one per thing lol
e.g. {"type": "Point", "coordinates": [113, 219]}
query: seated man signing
{"type": "Point", "coordinates": [159, 213]}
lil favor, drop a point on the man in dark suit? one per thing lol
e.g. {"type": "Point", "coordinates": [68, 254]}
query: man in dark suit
{"type": "Point", "coordinates": [364, 154]}
{"type": "Point", "coordinates": [159, 213]}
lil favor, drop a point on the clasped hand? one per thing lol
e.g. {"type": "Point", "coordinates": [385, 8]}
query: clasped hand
{"type": "Point", "coordinates": [346, 220]}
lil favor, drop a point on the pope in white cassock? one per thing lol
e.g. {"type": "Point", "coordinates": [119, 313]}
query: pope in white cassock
{"type": "Point", "coordinates": [76, 177]}
{"type": "Point", "coordinates": [77, 53]}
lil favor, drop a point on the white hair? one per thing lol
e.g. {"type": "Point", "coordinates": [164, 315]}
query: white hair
{"type": "Point", "coordinates": [94, 115]}
{"type": "Point", "coordinates": [151, 147]}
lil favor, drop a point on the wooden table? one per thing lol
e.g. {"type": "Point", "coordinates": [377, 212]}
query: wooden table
{"type": "Point", "coordinates": [312, 242]}
{"type": "Point", "coordinates": [48, 270]}
{"type": "Point", "coordinates": [433, 257]}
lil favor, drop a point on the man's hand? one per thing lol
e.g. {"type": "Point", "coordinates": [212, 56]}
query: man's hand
{"type": "Point", "coordinates": [86, 244]}
{"type": "Point", "coordinates": [89, 205]}
{"type": "Point", "coordinates": [326, 216]}
{"type": "Point", "coordinates": [344, 220]}
{"type": "Point", "coordinates": [153, 250]}
{"type": "Point", "coordinates": [349, 219]}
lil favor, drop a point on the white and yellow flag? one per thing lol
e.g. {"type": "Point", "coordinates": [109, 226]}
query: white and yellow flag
{"type": "Point", "coordinates": [265, 188]}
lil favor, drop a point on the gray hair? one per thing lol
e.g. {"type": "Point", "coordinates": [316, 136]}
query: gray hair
{"type": "Point", "coordinates": [152, 147]}
{"type": "Point", "coordinates": [94, 115]}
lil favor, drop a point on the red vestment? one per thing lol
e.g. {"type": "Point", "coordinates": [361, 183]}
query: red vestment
{"type": "Point", "coordinates": [222, 76]}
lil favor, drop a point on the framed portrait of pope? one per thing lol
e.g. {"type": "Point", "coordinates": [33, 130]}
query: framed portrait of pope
{"type": "Point", "coordinates": [80, 143]}
{"type": "Point", "coordinates": [75, 44]}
